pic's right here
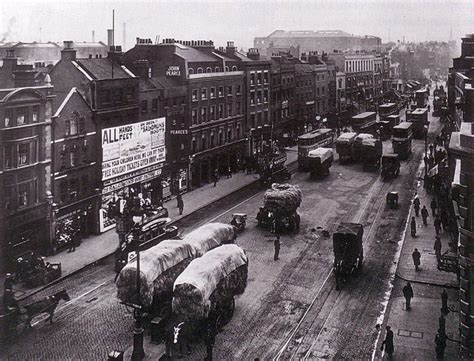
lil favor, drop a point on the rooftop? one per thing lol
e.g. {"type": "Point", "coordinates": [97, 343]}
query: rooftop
{"type": "Point", "coordinates": [103, 68]}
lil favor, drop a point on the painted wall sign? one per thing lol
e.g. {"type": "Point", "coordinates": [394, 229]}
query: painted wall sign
{"type": "Point", "coordinates": [173, 70]}
{"type": "Point", "coordinates": [130, 147]}
{"type": "Point", "coordinates": [178, 131]}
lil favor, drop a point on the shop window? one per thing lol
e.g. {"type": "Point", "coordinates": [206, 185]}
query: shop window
{"type": "Point", "coordinates": [194, 116]}
{"type": "Point", "coordinates": [73, 156]}
{"type": "Point", "coordinates": [204, 93]}
{"type": "Point", "coordinates": [23, 154]}
{"type": "Point", "coordinates": [8, 156]}
{"type": "Point", "coordinates": [23, 195]}
{"type": "Point", "coordinates": [8, 118]}
{"type": "Point", "coordinates": [194, 96]}
{"type": "Point", "coordinates": [21, 116]}
{"type": "Point", "coordinates": [144, 106]}
{"type": "Point", "coordinates": [212, 112]}
{"type": "Point", "coordinates": [213, 93]}
{"type": "Point", "coordinates": [35, 114]}
{"type": "Point", "coordinates": [221, 91]}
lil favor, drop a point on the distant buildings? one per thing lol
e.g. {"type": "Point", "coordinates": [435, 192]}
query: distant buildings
{"type": "Point", "coordinates": [322, 41]}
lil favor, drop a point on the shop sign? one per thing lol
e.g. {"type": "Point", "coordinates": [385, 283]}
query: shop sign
{"type": "Point", "coordinates": [133, 174]}
{"type": "Point", "coordinates": [130, 147]}
{"type": "Point", "coordinates": [179, 132]}
{"type": "Point", "coordinates": [173, 70]}
{"type": "Point", "coordinates": [128, 182]}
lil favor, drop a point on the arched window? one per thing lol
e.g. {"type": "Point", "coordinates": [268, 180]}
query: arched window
{"type": "Point", "coordinates": [199, 71]}
{"type": "Point", "coordinates": [226, 68]}
{"type": "Point", "coordinates": [191, 71]}
{"type": "Point", "coordinates": [208, 70]}
{"type": "Point", "coordinates": [217, 69]}
{"type": "Point", "coordinates": [234, 68]}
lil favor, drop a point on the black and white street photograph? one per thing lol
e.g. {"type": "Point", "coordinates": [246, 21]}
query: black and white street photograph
{"type": "Point", "coordinates": [236, 180]}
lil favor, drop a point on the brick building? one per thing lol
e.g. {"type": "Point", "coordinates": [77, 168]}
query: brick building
{"type": "Point", "coordinates": [25, 163]}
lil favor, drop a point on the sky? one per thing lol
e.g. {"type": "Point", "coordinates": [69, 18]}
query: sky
{"type": "Point", "coordinates": [232, 20]}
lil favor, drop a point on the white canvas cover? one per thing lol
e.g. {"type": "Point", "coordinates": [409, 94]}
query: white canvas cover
{"type": "Point", "coordinates": [321, 153]}
{"type": "Point", "coordinates": [346, 138]}
{"type": "Point", "coordinates": [209, 236]}
{"type": "Point", "coordinates": [153, 262]}
{"type": "Point", "coordinates": [363, 136]}
{"type": "Point", "coordinates": [369, 142]}
{"type": "Point", "coordinates": [205, 273]}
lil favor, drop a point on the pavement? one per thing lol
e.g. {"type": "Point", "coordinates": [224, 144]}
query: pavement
{"type": "Point", "coordinates": [97, 247]}
{"type": "Point", "coordinates": [415, 330]}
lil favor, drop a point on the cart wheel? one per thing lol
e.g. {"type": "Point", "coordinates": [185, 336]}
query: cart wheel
{"type": "Point", "coordinates": [231, 309]}
{"type": "Point", "coordinates": [219, 324]}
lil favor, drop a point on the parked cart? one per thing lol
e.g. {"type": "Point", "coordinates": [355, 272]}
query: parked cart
{"type": "Point", "coordinates": [319, 162]}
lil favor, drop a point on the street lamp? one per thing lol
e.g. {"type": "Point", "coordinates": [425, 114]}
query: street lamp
{"type": "Point", "coordinates": [138, 216]}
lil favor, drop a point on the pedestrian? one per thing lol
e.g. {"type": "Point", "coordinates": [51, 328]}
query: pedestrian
{"type": "Point", "coordinates": [413, 227]}
{"type": "Point", "coordinates": [180, 203]}
{"type": "Point", "coordinates": [8, 284]}
{"type": "Point", "coordinates": [408, 294]}
{"type": "Point", "coordinates": [437, 248]}
{"type": "Point", "coordinates": [229, 172]}
{"type": "Point", "coordinates": [416, 258]}
{"type": "Point", "coordinates": [72, 243]}
{"type": "Point", "coordinates": [444, 302]}
{"type": "Point", "coordinates": [440, 341]}
{"type": "Point", "coordinates": [216, 177]}
{"type": "Point", "coordinates": [388, 343]}
{"type": "Point", "coordinates": [444, 219]}
{"type": "Point", "coordinates": [424, 215]}
{"type": "Point", "coordinates": [433, 206]}
{"type": "Point", "coordinates": [277, 245]}
{"type": "Point", "coordinates": [437, 225]}
{"type": "Point", "coordinates": [431, 149]}
{"type": "Point", "coordinates": [416, 205]}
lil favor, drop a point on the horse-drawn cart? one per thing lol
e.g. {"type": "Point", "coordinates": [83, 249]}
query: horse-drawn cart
{"type": "Point", "coordinates": [33, 271]}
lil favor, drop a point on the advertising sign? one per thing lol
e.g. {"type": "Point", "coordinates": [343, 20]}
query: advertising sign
{"type": "Point", "coordinates": [130, 147]}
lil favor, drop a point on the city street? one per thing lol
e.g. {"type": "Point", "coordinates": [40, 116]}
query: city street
{"type": "Point", "coordinates": [290, 307]}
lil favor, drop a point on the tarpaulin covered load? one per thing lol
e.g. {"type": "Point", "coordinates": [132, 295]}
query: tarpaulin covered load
{"type": "Point", "coordinates": [283, 196]}
{"type": "Point", "coordinates": [209, 236]}
{"type": "Point", "coordinates": [346, 138]}
{"type": "Point", "coordinates": [213, 278]}
{"type": "Point", "coordinates": [370, 142]}
{"type": "Point", "coordinates": [321, 153]}
{"type": "Point", "coordinates": [172, 255]}
{"type": "Point", "coordinates": [357, 145]}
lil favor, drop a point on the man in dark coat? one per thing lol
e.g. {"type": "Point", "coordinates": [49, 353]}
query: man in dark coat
{"type": "Point", "coordinates": [408, 294]}
{"type": "Point", "coordinates": [416, 205]}
{"type": "Point", "coordinates": [437, 247]}
{"type": "Point", "coordinates": [416, 258]}
{"type": "Point", "coordinates": [437, 224]}
{"type": "Point", "coordinates": [180, 203]}
{"type": "Point", "coordinates": [277, 245]}
{"type": "Point", "coordinates": [440, 341]}
{"type": "Point", "coordinates": [413, 227]}
{"type": "Point", "coordinates": [388, 342]}
{"type": "Point", "coordinates": [433, 206]}
{"type": "Point", "coordinates": [8, 284]}
{"type": "Point", "coordinates": [424, 215]}
{"type": "Point", "coordinates": [216, 177]}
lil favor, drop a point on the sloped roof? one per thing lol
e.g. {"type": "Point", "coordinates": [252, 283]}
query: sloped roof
{"type": "Point", "coordinates": [194, 55]}
{"type": "Point", "coordinates": [101, 68]}
{"type": "Point", "coordinates": [308, 34]}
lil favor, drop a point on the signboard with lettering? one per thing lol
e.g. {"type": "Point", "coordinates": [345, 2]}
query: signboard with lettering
{"type": "Point", "coordinates": [178, 131]}
{"type": "Point", "coordinates": [173, 70]}
{"type": "Point", "coordinates": [130, 147]}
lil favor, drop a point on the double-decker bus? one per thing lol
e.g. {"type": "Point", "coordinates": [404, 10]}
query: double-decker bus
{"type": "Point", "coordinates": [364, 122]}
{"type": "Point", "coordinates": [421, 97]}
{"type": "Point", "coordinates": [387, 109]}
{"type": "Point", "coordinates": [310, 141]}
{"type": "Point", "coordinates": [401, 141]}
{"type": "Point", "coordinates": [419, 118]}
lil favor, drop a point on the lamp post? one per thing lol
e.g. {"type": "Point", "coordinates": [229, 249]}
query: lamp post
{"type": "Point", "coordinates": [138, 352]}
{"type": "Point", "coordinates": [425, 182]}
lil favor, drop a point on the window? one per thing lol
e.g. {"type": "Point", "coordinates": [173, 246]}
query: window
{"type": "Point", "coordinates": [203, 114]}
{"type": "Point", "coordinates": [130, 94]}
{"type": "Point", "coordinates": [73, 156]}
{"type": "Point", "coordinates": [118, 95]}
{"type": "Point", "coordinates": [265, 117]}
{"type": "Point", "coordinates": [226, 68]}
{"type": "Point", "coordinates": [194, 95]}
{"type": "Point", "coordinates": [259, 97]}
{"type": "Point", "coordinates": [238, 108]}
{"type": "Point", "coordinates": [234, 68]}
{"type": "Point", "coordinates": [212, 112]}
{"type": "Point", "coordinates": [213, 93]}
{"type": "Point", "coordinates": [21, 116]}
{"type": "Point", "coordinates": [8, 118]}
{"type": "Point", "coordinates": [154, 104]}
{"type": "Point", "coordinates": [252, 121]}
{"type": "Point", "coordinates": [238, 90]}
{"type": "Point", "coordinates": [265, 78]}
{"type": "Point", "coordinates": [74, 123]}
{"type": "Point", "coordinates": [220, 111]}
{"type": "Point", "coordinates": [63, 191]}
{"type": "Point", "coordinates": [23, 154]}
{"type": "Point", "coordinates": [194, 116]}
{"type": "Point", "coordinates": [212, 143]}
{"type": "Point", "coordinates": [203, 142]}
{"type": "Point", "coordinates": [23, 194]}
{"type": "Point", "coordinates": [221, 91]}
{"type": "Point", "coordinates": [199, 71]}
{"type": "Point", "coordinates": [9, 192]}
{"type": "Point", "coordinates": [259, 118]}
{"type": "Point", "coordinates": [317, 91]}
{"type": "Point", "coordinates": [208, 70]}
{"type": "Point", "coordinates": [74, 188]}
{"type": "Point", "coordinates": [204, 93]}
{"type": "Point", "coordinates": [190, 71]}
{"type": "Point", "coordinates": [252, 98]}
{"type": "Point", "coordinates": [229, 109]}
{"type": "Point", "coordinates": [217, 69]}
{"type": "Point", "coordinates": [323, 90]}
{"type": "Point", "coordinates": [252, 79]}
{"type": "Point", "coordinates": [259, 78]}
{"type": "Point", "coordinates": [229, 91]}
{"type": "Point", "coordinates": [35, 114]}
{"type": "Point", "coordinates": [144, 106]}
{"type": "Point", "coordinates": [238, 131]}
{"type": "Point", "coordinates": [221, 137]}
{"type": "Point", "coordinates": [194, 145]}
{"type": "Point", "coordinates": [8, 156]}
{"type": "Point", "coordinates": [229, 135]}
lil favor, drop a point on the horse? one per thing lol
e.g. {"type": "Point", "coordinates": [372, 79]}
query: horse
{"type": "Point", "coordinates": [46, 305]}
{"type": "Point", "coordinates": [177, 333]}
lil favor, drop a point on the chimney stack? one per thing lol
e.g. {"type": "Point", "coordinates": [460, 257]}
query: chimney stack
{"type": "Point", "coordinates": [68, 53]}
{"type": "Point", "coordinates": [110, 37]}
{"type": "Point", "coordinates": [230, 48]}
{"type": "Point", "coordinates": [253, 54]}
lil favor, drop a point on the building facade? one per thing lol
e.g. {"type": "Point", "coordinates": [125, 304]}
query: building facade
{"type": "Point", "coordinates": [25, 177]}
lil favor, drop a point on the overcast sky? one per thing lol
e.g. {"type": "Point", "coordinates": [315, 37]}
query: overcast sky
{"type": "Point", "coordinates": [239, 21]}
